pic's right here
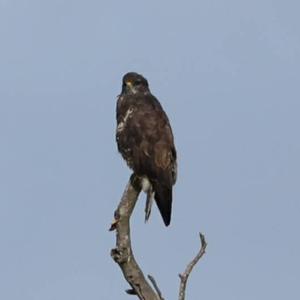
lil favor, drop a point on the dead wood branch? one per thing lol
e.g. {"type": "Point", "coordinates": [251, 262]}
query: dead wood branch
{"type": "Point", "coordinates": [184, 276]}
{"type": "Point", "coordinates": [123, 254]}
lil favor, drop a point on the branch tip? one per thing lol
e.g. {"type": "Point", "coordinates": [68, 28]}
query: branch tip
{"type": "Point", "coordinates": [151, 278]}
{"type": "Point", "coordinates": [202, 239]}
{"type": "Point", "coordinates": [185, 275]}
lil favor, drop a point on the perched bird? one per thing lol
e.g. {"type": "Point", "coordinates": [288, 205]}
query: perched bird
{"type": "Point", "coordinates": [145, 140]}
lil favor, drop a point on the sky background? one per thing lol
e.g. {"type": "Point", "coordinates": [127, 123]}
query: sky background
{"type": "Point", "coordinates": [226, 72]}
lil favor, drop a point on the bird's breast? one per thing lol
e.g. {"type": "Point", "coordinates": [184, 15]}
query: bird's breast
{"type": "Point", "coordinates": [124, 120]}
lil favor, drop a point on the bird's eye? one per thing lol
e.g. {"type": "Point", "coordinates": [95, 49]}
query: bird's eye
{"type": "Point", "coordinates": [138, 82]}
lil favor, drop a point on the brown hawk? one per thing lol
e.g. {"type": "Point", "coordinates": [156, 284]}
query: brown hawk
{"type": "Point", "coordinates": [145, 140]}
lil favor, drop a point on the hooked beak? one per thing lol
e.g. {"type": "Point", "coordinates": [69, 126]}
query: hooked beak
{"type": "Point", "coordinates": [129, 84]}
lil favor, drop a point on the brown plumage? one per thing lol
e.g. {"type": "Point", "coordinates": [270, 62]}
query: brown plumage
{"type": "Point", "coordinates": [145, 140]}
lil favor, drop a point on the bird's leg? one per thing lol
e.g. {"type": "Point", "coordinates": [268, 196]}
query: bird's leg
{"type": "Point", "coordinates": [149, 202]}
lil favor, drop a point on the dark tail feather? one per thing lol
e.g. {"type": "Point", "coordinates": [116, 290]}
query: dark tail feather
{"type": "Point", "coordinates": [163, 198]}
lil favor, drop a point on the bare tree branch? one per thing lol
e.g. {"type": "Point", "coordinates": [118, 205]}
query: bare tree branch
{"type": "Point", "coordinates": [123, 254]}
{"type": "Point", "coordinates": [151, 278]}
{"type": "Point", "coordinates": [184, 277]}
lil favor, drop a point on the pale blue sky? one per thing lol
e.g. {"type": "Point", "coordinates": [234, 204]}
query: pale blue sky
{"type": "Point", "coordinates": [226, 72]}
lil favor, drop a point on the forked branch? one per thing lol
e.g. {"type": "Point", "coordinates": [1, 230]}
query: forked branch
{"type": "Point", "coordinates": [123, 254]}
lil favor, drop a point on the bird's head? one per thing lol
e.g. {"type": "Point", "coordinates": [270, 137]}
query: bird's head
{"type": "Point", "coordinates": [134, 83]}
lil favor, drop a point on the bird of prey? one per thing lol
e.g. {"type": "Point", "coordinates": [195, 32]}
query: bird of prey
{"type": "Point", "coordinates": [145, 141]}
